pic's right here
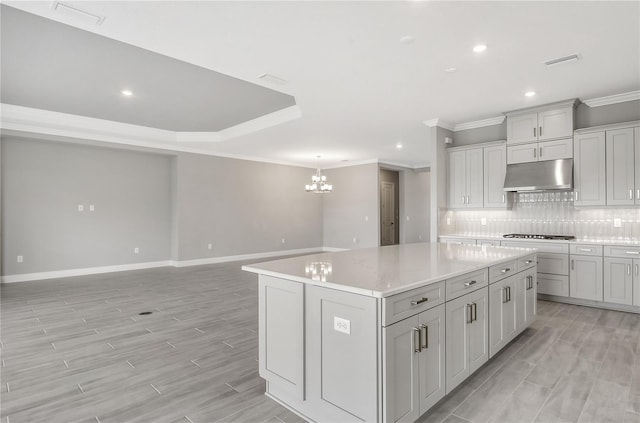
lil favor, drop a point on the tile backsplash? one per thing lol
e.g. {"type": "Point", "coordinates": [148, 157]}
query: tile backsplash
{"type": "Point", "coordinates": [548, 213]}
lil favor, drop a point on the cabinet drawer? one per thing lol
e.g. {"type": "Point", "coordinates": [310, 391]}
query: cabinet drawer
{"type": "Point", "coordinates": [553, 285]}
{"type": "Point", "coordinates": [541, 247]}
{"type": "Point", "coordinates": [501, 271]}
{"type": "Point", "coordinates": [406, 304]}
{"type": "Point", "coordinates": [466, 283]}
{"type": "Point", "coordinates": [526, 262]}
{"type": "Point", "coordinates": [586, 250]}
{"type": "Point", "coordinates": [557, 264]}
{"type": "Point", "coordinates": [488, 242]}
{"type": "Point", "coordinates": [458, 241]}
{"type": "Point", "coordinates": [619, 251]}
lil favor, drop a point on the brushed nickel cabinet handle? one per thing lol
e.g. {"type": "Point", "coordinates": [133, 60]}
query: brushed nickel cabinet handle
{"type": "Point", "coordinates": [418, 345]}
{"type": "Point", "coordinates": [503, 198]}
{"type": "Point", "coordinates": [475, 312]}
{"type": "Point", "coordinates": [586, 250]}
{"type": "Point", "coordinates": [425, 345]}
{"type": "Point", "coordinates": [628, 270]}
{"type": "Point", "coordinates": [468, 284]}
{"type": "Point", "coordinates": [534, 131]}
{"type": "Point", "coordinates": [637, 274]}
{"type": "Point", "coordinates": [504, 295]}
{"type": "Point", "coordinates": [420, 301]}
{"type": "Point", "coordinates": [632, 252]}
{"type": "Point", "coordinates": [638, 194]}
{"type": "Point", "coordinates": [469, 313]}
{"type": "Point", "coordinates": [509, 293]}
{"type": "Point", "coordinates": [535, 151]}
{"type": "Point", "coordinates": [576, 195]}
{"type": "Point", "coordinates": [630, 194]}
{"type": "Point", "coordinates": [463, 197]}
{"type": "Point", "coordinates": [540, 151]}
{"type": "Point", "coordinates": [505, 270]}
{"type": "Point", "coordinates": [540, 131]}
{"type": "Point", "coordinates": [528, 262]}
{"type": "Point", "coordinates": [573, 264]}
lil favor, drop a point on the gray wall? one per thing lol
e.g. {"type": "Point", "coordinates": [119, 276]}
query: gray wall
{"type": "Point", "coordinates": [585, 117]}
{"type": "Point", "coordinates": [243, 207]}
{"type": "Point", "coordinates": [44, 182]}
{"type": "Point", "coordinates": [415, 202]}
{"type": "Point", "coordinates": [354, 197]}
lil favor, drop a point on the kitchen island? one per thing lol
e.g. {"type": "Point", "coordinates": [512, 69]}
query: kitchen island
{"type": "Point", "coordinates": [382, 334]}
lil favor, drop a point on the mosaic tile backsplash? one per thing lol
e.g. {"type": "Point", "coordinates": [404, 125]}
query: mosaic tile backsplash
{"type": "Point", "coordinates": [547, 213]}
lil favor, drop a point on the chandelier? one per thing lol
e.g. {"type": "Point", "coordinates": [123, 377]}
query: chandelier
{"type": "Point", "coordinates": [319, 183]}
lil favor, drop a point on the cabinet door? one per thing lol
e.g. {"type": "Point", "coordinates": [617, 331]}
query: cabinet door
{"type": "Point", "coordinates": [618, 280]}
{"type": "Point", "coordinates": [557, 123]}
{"type": "Point", "coordinates": [479, 330]}
{"type": "Point", "coordinates": [475, 177]}
{"type": "Point", "coordinates": [636, 282]}
{"type": "Point", "coordinates": [401, 389]}
{"type": "Point", "coordinates": [432, 358]}
{"type": "Point", "coordinates": [531, 299]}
{"type": "Point", "coordinates": [495, 169]}
{"type": "Point", "coordinates": [457, 180]}
{"type": "Point", "coordinates": [502, 313]}
{"type": "Point", "coordinates": [586, 278]}
{"type": "Point", "coordinates": [524, 153]}
{"type": "Point", "coordinates": [553, 284]}
{"type": "Point", "coordinates": [522, 128]}
{"type": "Point", "coordinates": [620, 167]}
{"type": "Point", "coordinates": [458, 314]}
{"type": "Point", "coordinates": [589, 171]}
{"type": "Point", "coordinates": [553, 150]}
{"type": "Point", "coordinates": [636, 136]}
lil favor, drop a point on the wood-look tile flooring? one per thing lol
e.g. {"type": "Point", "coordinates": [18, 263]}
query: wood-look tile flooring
{"type": "Point", "coordinates": [77, 350]}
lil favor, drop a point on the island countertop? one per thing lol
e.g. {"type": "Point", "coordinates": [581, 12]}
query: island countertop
{"type": "Point", "coordinates": [384, 271]}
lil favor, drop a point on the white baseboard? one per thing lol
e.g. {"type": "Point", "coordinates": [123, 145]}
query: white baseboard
{"type": "Point", "coordinates": [24, 277]}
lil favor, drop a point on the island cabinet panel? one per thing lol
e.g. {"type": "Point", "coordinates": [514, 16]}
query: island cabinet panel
{"type": "Point", "coordinates": [281, 333]}
{"type": "Point", "coordinates": [466, 337]}
{"type": "Point", "coordinates": [414, 360]}
{"type": "Point", "coordinates": [341, 363]}
{"type": "Point", "coordinates": [502, 310]}
{"type": "Point", "coordinates": [526, 296]}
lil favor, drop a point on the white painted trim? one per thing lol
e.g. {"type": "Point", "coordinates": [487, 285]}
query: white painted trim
{"type": "Point", "coordinates": [349, 164]}
{"type": "Point", "coordinates": [479, 123]}
{"type": "Point", "coordinates": [83, 271]}
{"type": "Point", "coordinates": [613, 99]}
{"type": "Point", "coordinates": [438, 122]}
{"type": "Point", "coordinates": [333, 249]}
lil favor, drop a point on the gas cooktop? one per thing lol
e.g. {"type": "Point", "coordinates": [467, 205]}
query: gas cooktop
{"type": "Point", "coordinates": [535, 236]}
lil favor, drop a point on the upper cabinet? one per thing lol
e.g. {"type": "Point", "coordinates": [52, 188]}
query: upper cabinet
{"type": "Point", "coordinates": [495, 169]}
{"type": "Point", "coordinates": [539, 151]}
{"type": "Point", "coordinates": [620, 153]}
{"type": "Point", "coordinates": [541, 124]}
{"type": "Point", "coordinates": [589, 175]}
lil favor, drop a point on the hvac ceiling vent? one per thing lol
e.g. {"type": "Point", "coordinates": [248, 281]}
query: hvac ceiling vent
{"type": "Point", "coordinates": [77, 14]}
{"type": "Point", "coordinates": [571, 58]}
{"type": "Point", "coordinates": [272, 79]}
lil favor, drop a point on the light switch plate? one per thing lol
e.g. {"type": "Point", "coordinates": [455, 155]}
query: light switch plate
{"type": "Point", "coordinates": [341, 325]}
{"type": "Point", "coordinates": [617, 223]}
{"type": "Point", "coordinates": [483, 221]}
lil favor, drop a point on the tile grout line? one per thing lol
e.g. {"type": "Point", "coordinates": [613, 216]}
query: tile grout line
{"type": "Point", "coordinates": [187, 417]}
{"type": "Point", "coordinates": [80, 387]}
{"type": "Point", "coordinates": [155, 389]}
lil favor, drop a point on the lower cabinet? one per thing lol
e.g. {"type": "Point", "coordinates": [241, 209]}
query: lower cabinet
{"type": "Point", "coordinates": [466, 336]}
{"type": "Point", "coordinates": [526, 298]}
{"type": "Point", "coordinates": [618, 280]}
{"type": "Point", "coordinates": [502, 313]}
{"type": "Point", "coordinates": [414, 365]}
{"type": "Point", "coordinates": [586, 278]}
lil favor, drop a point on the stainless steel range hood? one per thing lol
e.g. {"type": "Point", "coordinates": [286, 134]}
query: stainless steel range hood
{"type": "Point", "coordinates": [538, 176]}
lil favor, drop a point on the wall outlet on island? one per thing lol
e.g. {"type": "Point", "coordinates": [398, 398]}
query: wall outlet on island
{"type": "Point", "coordinates": [483, 221]}
{"type": "Point", "coordinates": [136, 250]}
{"type": "Point", "coordinates": [341, 325]}
{"type": "Point", "coordinates": [20, 259]}
{"type": "Point", "coordinates": [209, 246]}
{"type": "Point", "coordinates": [617, 223]}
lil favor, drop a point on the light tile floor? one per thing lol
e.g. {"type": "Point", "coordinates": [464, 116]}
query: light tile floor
{"type": "Point", "coordinates": [77, 350]}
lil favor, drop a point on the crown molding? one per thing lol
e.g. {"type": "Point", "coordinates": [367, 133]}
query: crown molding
{"type": "Point", "coordinates": [438, 122]}
{"type": "Point", "coordinates": [479, 123]}
{"type": "Point", "coordinates": [613, 99]}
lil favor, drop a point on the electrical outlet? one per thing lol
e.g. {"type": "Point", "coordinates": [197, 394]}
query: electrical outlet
{"type": "Point", "coordinates": [209, 246]}
{"type": "Point", "coordinates": [283, 240]}
{"type": "Point", "coordinates": [92, 207]}
{"type": "Point", "coordinates": [366, 218]}
{"type": "Point", "coordinates": [419, 237]}
{"type": "Point", "coordinates": [483, 221]}
{"type": "Point", "coordinates": [408, 218]}
{"type": "Point", "coordinates": [448, 221]}
{"type": "Point", "coordinates": [80, 207]}
{"type": "Point", "coordinates": [355, 240]}
{"type": "Point", "coordinates": [617, 223]}
{"type": "Point", "coordinates": [136, 250]}
{"type": "Point", "coordinates": [20, 259]}
{"type": "Point", "coordinates": [341, 325]}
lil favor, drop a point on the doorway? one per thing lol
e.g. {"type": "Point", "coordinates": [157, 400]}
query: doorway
{"type": "Point", "coordinates": [389, 207]}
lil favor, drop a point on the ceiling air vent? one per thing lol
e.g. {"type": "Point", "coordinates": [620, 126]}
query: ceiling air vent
{"type": "Point", "coordinates": [77, 14]}
{"type": "Point", "coordinates": [272, 79]}
{"type": "Point", "coordinates": [565, 59]}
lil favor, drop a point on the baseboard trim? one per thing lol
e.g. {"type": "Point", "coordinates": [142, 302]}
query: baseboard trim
{"type": "Point", "coordinates": [55, 274]}
{"type": "Point", "coordinates": [590, 303]}
{"type": "Point", "coordinates": [25, 277]}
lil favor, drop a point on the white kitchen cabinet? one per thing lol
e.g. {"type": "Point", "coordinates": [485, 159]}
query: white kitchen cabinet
{"type": "Point", "coordinates": [414, 365]}
{"type": "Point", "coordinates": [502, 313]}
{"type": "Point", "coordinates": [620, 152]}
{"type": "Point", "coordinates": [540, 151]}
{"type": "Point", "coordinates": [636, 282]}
{"type": "Point", "coordinates": [526, 298]}
{"type": "Point", "coordinates": [540, 125]}
{"type": "Point", "coordinates": [636, 136]}
{"type": "Point", "coordinates": [586, 277]}
{"type": "Point", "coordinates": [618, 280]}
{"type": "Point", "coordinates": [589, 169]}
{"type": "Point", "coordinates": [495, 169]}
{"type": "Point", "coordinates": [466, 178]}
{"type": "Point", "coordinates": [466, 336]}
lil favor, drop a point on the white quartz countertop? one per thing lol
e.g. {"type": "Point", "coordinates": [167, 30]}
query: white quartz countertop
{"type": "Point", "coordinates": [598, 241]}
{"type": "Point", "coordinates": [385, 271]}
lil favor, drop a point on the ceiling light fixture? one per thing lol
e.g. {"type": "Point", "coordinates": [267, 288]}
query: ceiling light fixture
{"type": "Point", "coordinates": [530, 93]}
{"type": "Point", "coordinates": [399, 146]}
{"type": "Point", "coordinates": [319, 183]}
{"type": "Point", "coordinates": [126, 93]}
{"type": "Point", "coordinates": [407, 39]}
{"type": "Point", "coordinates": [450, 70]}
{"type": "Point", "coordinates": [479, 48]}
{"type": "Point", "coordinates": [570, 58]}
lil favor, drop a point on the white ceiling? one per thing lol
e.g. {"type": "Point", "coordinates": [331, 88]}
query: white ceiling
{"type": "Point", "coordinates": [360, 90]}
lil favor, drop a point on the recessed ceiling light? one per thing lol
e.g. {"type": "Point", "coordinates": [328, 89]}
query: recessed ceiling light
{"type": "Point", "coordinates": [407, 39]}
{"type": "Point", "coordinates": [451, 70]}
{"type": "Point", "coordinates": [530, 93]}
{"type": "Point", "coordinates": [480, 48]}
{"type": "Point", "coordinates": [399, 146]}
{"type": "Point", "coordinates": [126, 93]}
